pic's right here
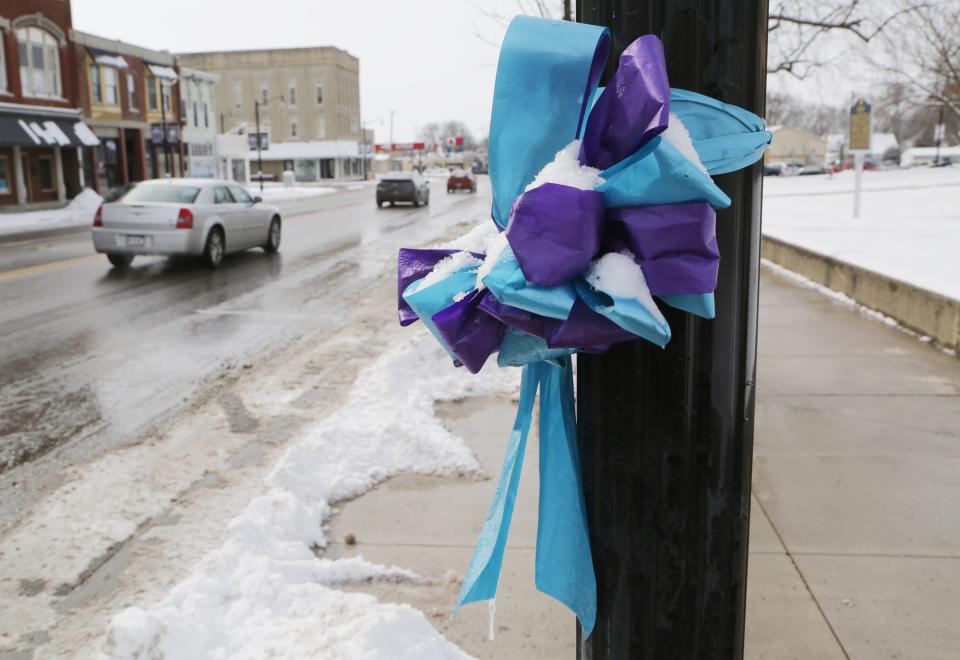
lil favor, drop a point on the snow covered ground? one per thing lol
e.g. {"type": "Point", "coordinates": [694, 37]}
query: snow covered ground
{"type": "Point", "coordinates": [265, 592]}
{"type": "Point", "coordinates": [908, 229]}
{"type": "Point", "coordinates": [77, 213]}
{"type": "Point", "coordinates": [277, 193]}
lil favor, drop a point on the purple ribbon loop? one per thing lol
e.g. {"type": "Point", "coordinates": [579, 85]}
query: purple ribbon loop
{"type": "Point", "coordinates": [633, 108]}
{"type": "Point", "coordinates": [413, 264]}
{"type": "Point", "coordinates": [585, 330]}
{"type": "Point", "coordinates": [519, 319]}
{"type": "Point", "coordinates": [675, 244]}
{"type": "Point", "coordinates": [472, 334]}
{"type": "Point", "coordinates": [555, 231]}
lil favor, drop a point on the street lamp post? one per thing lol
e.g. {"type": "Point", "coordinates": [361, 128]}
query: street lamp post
{"type": "Point", "coordinates": [165, 86]}
{"type": "Point", "coordinates": [256, 113]}
{"type": "Point", "coordinates": [666, 435]}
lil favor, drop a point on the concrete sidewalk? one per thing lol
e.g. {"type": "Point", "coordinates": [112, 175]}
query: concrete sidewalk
{"type": "Point", "coordinates": [855, 538]}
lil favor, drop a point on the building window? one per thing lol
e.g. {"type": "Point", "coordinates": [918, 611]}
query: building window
{"type": "Point", "coordinates": [206, 116]}
{"type": "Point", "coordinates": [321, 127]}
{"type": "Point", "coordinates": [131, 91]}
{"type": "Point", "coordinates": [39, 62]}
{"type": "Point", "coordinates": [164, 97]}
{"type": "Point", "coordinates": [264, 92]}
{"type": "Point", "coordinates": [292, 92]}
{"type": "Point", "coordinates": [110, 85]}
{"type": "Point", "coordinates": [237, 95]}
{"type": "Point", "coordinates": [196, 121]}
{"type": "Point", "coordinates": [45, 172]}
{"type": "Point", "coordinates": [95, 91]}
{"type": "Point", "coordinates": [294, 128]}
{"type": "Point", "coordinates": [4, 175]}
{"type": "Point", "coordinates": [319, 89]}
{"type": "Point", "coordinates": [3, 70]}
{"type": "Point", "coordinates": [152, 100]}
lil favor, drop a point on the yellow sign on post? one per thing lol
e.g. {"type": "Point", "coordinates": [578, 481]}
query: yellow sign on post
{"type": "Point", "coordinates": [860, 126]}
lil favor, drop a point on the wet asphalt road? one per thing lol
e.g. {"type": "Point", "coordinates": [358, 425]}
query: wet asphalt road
{"type": "Point", "coordinates": [91, 358]}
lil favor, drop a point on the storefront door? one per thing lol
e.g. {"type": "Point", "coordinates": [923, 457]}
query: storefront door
{"type": "Point", "coordinates": [40, 171]}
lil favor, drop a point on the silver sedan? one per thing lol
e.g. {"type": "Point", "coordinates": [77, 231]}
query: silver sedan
{"type": "Point", "coordinates": [200, 217]}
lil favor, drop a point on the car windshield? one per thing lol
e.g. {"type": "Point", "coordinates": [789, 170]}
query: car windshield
{"type": "Point", "coordinates": [162, 192]}
{"type": "Point", "coordinates": [458, 173]}
{"type": "Point", "coordinates": [398, 176]}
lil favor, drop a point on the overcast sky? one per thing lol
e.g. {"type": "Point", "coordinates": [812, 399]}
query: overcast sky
{"type": "Point", "coordinates": [419, 58]}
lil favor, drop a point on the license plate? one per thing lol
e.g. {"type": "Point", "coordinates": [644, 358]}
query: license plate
{"type": "Point", "coordinates": [136, 241]}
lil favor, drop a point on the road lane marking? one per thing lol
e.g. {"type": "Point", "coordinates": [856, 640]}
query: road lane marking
{"type": "Point", "coordinates": [17, 273]}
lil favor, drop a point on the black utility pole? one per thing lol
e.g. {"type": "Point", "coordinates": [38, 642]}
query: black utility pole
{"type": "Point", "coordinates": [667, 434]}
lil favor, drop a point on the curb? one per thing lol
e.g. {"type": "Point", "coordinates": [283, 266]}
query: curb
{"type": "Point", "coordinates": [17, 237]}
{"type": "Point", "coordinates": [922, 311]}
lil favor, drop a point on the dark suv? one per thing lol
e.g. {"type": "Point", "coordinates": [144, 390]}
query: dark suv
{"type": "Point", "coordinates": [461, 180]}
{"type": "Point", "coordinates": [403, 187]}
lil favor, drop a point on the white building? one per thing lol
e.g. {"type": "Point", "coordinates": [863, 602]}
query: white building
{"type": "Point", "coordinates": [199, 115]}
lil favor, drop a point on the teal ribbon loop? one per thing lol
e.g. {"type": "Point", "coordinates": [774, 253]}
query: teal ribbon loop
{"type": "Point", "coordinates": [564, 564]}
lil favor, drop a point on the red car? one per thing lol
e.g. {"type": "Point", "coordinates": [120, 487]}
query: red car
{"type": "Point", "coordinates": [461, 180]}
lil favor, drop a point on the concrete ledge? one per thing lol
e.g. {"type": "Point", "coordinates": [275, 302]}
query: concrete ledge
{"type": "Point", "coordinates": [922, 311]}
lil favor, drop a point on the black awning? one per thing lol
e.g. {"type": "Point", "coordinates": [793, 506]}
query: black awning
{"type": "Point", "coordinates": [40, 131]}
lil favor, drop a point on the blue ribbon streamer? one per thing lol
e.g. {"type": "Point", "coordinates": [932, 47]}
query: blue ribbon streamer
{"type": "Point", "coordinates": [564, 566]}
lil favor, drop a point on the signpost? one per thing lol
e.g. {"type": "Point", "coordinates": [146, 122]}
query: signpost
{"type": "Point", "coordinates": [666, 435]}
{"type": "Point", "coordinates": [859, 144]}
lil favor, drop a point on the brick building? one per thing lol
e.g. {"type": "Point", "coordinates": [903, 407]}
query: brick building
{"type": "Point", "coordinates": [130, 97]}
{"type": "Point", "coordinates": [42, 135]}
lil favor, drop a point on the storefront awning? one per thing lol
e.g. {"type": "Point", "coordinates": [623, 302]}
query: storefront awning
{"type": "Point", "coordinates": [106, 58]}
{"type": "Point", "coordinates": [40, 131]}
{"type": "Point", "coordinates": [161, 71]}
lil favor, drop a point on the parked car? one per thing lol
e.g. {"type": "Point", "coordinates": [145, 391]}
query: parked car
{"type": "Point", "coordinates": [807, 170]}
{"type": "Point", "coordinates": [461, 180]}
{"type": "Point", "coordinates": [200, 217]}
{"type": "Point", "coordinates": [781, 169]}
{"type": "Point", "coordinates": [403, 187]}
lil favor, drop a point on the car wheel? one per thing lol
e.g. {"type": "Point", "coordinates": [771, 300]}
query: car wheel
{"type": "Point", "coordinates": [273, 238]}
{"type": "Point", "coordinates": [416, 202]}
{"type": "Point", "coordinates": [213, 250]}
{"type": "Point", "coordinates": [120, 260]}
{"type": "Point", "coordinates": [379, 203]}
{"type": "Point", "coordinates": [449, 190]}
{"type": "Point", "coordinates": [427, 202]}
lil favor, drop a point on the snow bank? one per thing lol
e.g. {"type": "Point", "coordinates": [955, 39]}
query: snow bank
{"type": "Point", "coordinates": [278, 194]}
{"type": "Point", "coordinates": [908, 229]}
{"type": "Point", "coordinates": [77, 213]}
{"type": "Point", "coordinates": [264, 593]}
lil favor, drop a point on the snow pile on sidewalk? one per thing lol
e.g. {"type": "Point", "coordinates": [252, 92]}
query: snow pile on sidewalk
{"type": "Point", "coordinates": [279, 193]}
{"type": "Point", "coordinates": [264, 593]}
{"type": "Point", "coordinates": [78, 212]}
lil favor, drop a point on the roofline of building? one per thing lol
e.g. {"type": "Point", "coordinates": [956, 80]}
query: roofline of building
{"type": "Point", "coordinates": [187, 72]}
{"type": "Point", "coordinates": [123, 48]}
{"type": "Point", "coordinates": [247, 51]}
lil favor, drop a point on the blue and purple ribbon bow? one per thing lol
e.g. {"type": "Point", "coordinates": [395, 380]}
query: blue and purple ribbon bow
{"type": "Point", "coordinates": [602, 202]}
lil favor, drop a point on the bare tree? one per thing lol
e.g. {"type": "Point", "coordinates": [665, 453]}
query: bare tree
{"type": "Point", "coordinates": [922, 57]}
{"type": "Point", "coordinates": [796, 27]}
{"type": "Point", "coordinates": [438, 132]}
